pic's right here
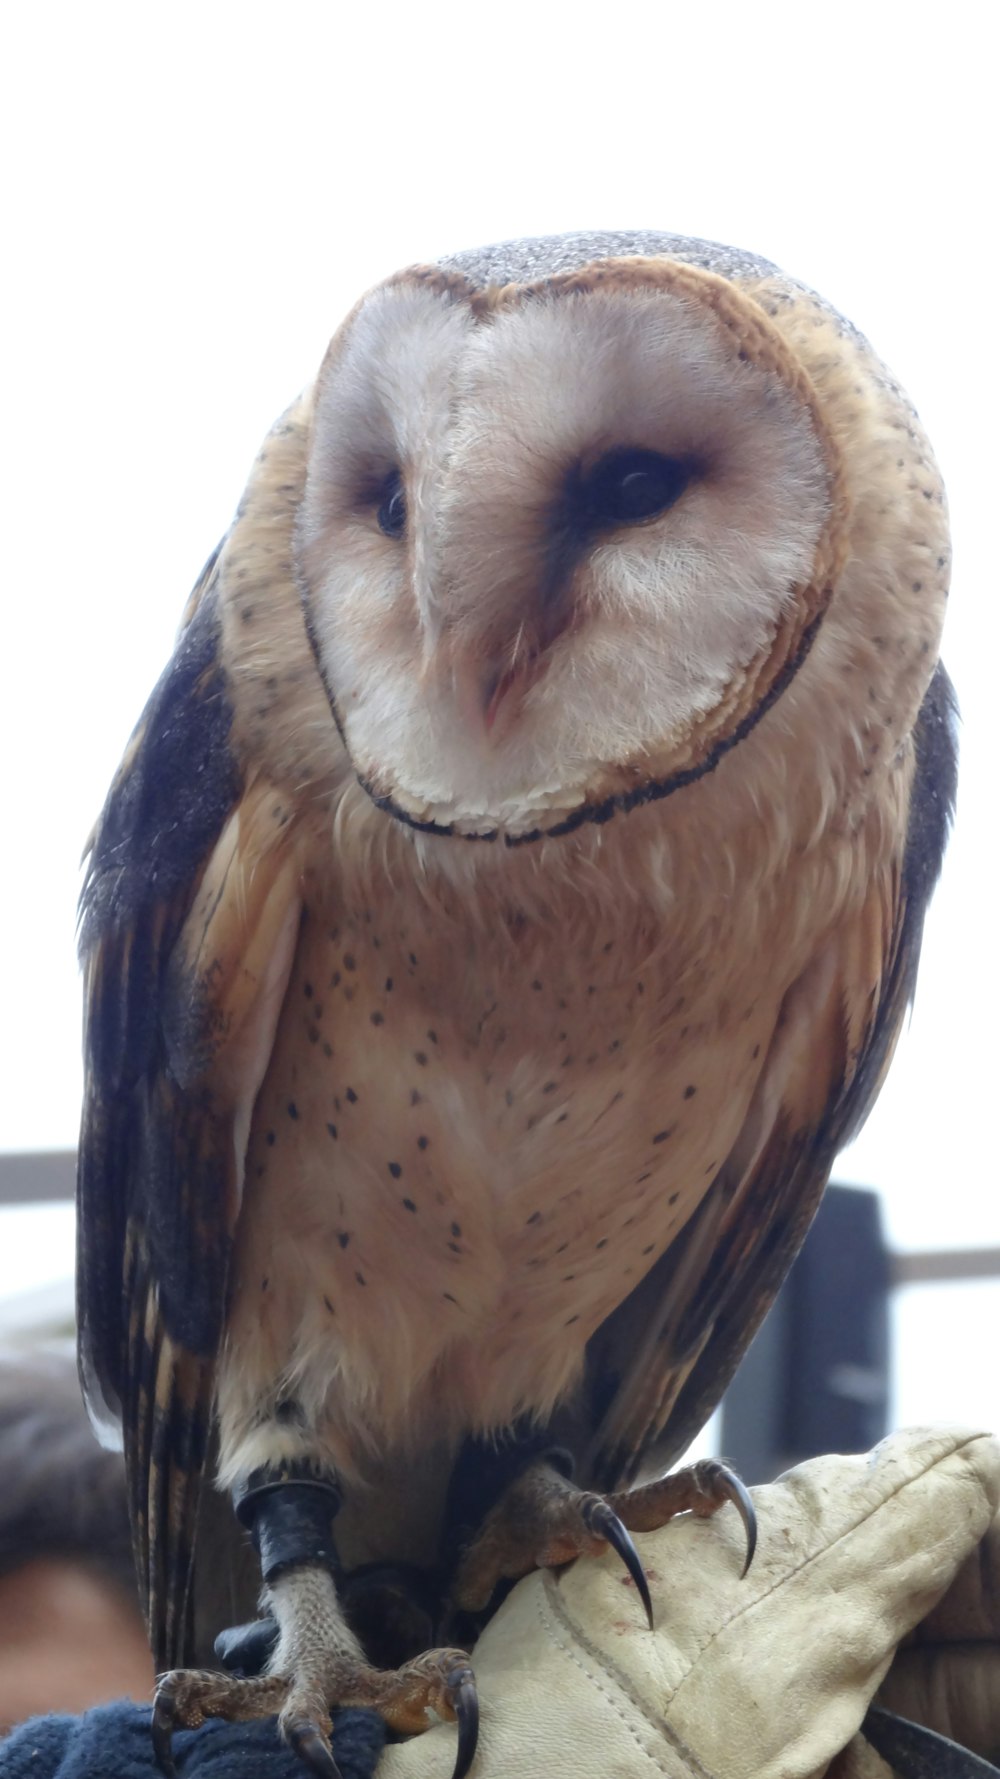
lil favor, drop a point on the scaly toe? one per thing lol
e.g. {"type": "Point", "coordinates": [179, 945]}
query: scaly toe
{"type": "Point", "coordinates": [442, 1680]}
{"type": "Point", "coordinates": [186, 1696]}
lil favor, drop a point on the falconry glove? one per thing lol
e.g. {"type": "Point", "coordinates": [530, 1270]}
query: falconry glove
{"type": "Point", "coordinates": [768, 1677]}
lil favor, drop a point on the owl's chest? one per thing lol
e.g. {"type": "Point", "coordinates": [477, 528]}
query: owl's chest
{"type": "Point", "coordinates": [502, 1124]}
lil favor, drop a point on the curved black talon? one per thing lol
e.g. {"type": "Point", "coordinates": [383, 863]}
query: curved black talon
{"type": "Point", "coordinates": [465, 1704]}
{"type": "Point", "coordinates": [739, 1495]}
{"type": "Point", "coordinates": [161, 1729]}
{"type": "Point", "coordinates": [600, 1518]}
{"type": "Point", "coordinates": [312, 1748]}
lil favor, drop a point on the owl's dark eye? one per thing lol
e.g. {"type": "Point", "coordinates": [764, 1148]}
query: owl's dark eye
{"type": "Point", "coordinates": [629, 485]}
{"type": "Point", "coordinates": [391, 513]}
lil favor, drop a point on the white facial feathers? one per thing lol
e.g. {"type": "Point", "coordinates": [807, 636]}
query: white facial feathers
{"type": "Point", "coordinates": [599, 651]}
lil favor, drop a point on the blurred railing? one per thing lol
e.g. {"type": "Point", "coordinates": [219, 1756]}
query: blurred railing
{"type": "Point", "coordinates": [48, 1176]}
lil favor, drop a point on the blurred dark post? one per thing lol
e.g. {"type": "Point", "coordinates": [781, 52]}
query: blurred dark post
{"type": "Point", "coordinates": [816, 1378]}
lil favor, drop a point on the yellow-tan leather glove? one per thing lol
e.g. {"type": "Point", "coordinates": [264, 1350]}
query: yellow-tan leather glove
{"type": "Point", "coordinates": [768, 1677]}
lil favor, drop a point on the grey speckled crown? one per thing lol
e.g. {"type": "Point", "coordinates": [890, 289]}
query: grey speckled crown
{"type": "Point", "coordinates": [522, 262]}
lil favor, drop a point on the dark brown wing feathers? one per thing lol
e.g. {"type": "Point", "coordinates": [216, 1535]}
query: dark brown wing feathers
{"type": "Point", "coordinates": [155, 1186]}
{"type": "Point", "coordinates": [639, 1414]}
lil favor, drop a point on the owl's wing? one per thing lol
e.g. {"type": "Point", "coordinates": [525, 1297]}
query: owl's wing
{"type": "Point", "coordinates": [658, 1367]}
{"type": "Point", "coordinates": [189, 919]}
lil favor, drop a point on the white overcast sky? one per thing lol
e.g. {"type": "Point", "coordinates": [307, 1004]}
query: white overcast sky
{"type": "Point", "coordinates": [196, 194]}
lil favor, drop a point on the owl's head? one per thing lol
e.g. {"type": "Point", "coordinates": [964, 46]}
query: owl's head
{"type": "Point", "coordinates": [562, 541]}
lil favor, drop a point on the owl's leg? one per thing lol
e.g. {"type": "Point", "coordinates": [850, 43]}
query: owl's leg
{"type": "Point", "coordinates": [316, 1660]}
{"type": "Point", "coordinates": [543, 1520]}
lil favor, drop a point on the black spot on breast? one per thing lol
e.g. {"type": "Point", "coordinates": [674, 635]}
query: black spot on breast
{"type": "Point", "coordinates": [536, 985]}
{"type": "Point", "coordinates": [662, 1135]}
{"type": "Point", "coordinates": [549, 1087]}
{"type": "Point", "coordinates": [601, 1244]}
{"type": "Point", "coordinates": [376, 1018]}
{"type": "Point", "coordinates": [570, 1320]}
{"type": "Point", "coordinates": [408, 1204]}
{"type": "Point", "coordinates": [307, 990]}
{"type": "Point", "coordinates": [674, 1196]}
{"type": "Point", "coordinates": [388, 985]}
{"type": "Point", "coordinates": [329, 1305]}
{"type": "Point", "coordinates": [433, 1037]}
{"type": "Point", "coordinates": [423, 1142]}
{"type": "Point", "coordinates": [455, 1249]}
{"type": "Point", "coordinates": [264, 1283]}
{"type": "Point", "coordinates": [536, 1217]}
{"type": "Point", "coordinates": [351, 1097]}
{"type": "Point", "coordinates": [349, 963]}
{"type": "Point", "coordinates": [270, 1139]}
{"type": "Point", "coordinates": [343, 1237]}
{"type": "Point", "coordinates": [361, 1278]}
{"type": "Point", "coordinates": [293, 1110]}
{"type": "Point", "coordinates": [395, 1170]}
{"type": "Point", "coordinates": [689, 1092]}
{"type": "Point", "coordinates": [415, 1097]}
{"type": "Point", "coordinates": [420, 1058]}
{"type": "Point", "coordinates": [327, 1049]}
{"type": "Point", "coordinates": [456, 1229]}
{"type": "Point", "coordinates": [332, 1128]}
{"type": "Point", "coordinates": [413, 960]}
{"type": "Point", "coordinates": [448, 1297]}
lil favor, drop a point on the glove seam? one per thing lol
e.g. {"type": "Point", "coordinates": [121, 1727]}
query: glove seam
{"type": "Point", "coordinates": [813, 1556]}
{"type": "Point", "coordinates": [576, 1641]}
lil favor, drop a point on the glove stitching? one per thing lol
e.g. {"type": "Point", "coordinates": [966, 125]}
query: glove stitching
{"type": "Point", "coordinates": [820, 1551]}
{"type": "Point", "coordinates": [574, 1640]}
{"type": "Point", "coordinates": [617, 1678]}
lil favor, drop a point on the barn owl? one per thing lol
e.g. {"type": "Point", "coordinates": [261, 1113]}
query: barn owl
{"type": "Point", "coordinates": [505, 910]}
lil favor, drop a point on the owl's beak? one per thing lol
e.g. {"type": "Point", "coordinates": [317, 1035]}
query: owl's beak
{"type": "Point", "coordinates": [490, 695]}
{"type": "Point", "coordinates": [491, 669]}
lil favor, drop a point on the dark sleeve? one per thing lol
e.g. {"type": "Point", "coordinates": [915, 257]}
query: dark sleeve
{"type": "Point", "coordinates": [113, 1742]}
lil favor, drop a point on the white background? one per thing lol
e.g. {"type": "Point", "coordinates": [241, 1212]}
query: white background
{"type": "Point", "coordinates": [197, 194]}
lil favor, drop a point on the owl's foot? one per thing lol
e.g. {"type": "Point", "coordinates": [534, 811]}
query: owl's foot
{"type": "Point", "coordinates": [317, 1663]}
{"type": "Point", "coordinates": [544, 1520]}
